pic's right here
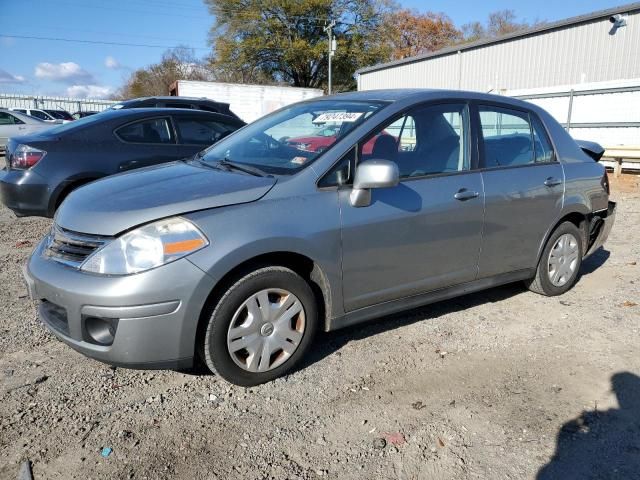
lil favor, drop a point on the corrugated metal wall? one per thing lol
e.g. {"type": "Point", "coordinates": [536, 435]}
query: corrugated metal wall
{"type": "Point", "coordinates": [569, 55]}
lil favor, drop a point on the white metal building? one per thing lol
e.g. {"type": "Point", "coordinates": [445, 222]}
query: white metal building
{"type": "Point", "coordinates": [580, 49]}
{"type": "Point", "coordinates": [584, 70]}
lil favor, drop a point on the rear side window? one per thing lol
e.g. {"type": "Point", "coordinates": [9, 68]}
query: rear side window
{"type": "Point", "coordinates": [40, 115]}
{"type": "Point", "coordinates": [201, 131]}
{"type": "Point", "coordinates": [541, 143]}
{"type": "Point", "coordinates": [507, 137]}
{"type": "Point", "coordinates": [8, 119]}
{"type": "Point", "coordinates": [156, 130]}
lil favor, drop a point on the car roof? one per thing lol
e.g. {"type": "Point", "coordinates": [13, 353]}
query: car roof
{"type": "Point", "coordinates": [22, 116]}
{"type": "Point", "coordinates": [158, 112]}
{"type": "Point", "coordinates": [170, 98]}
{"type": "Point", "coordinates": [424, 94]}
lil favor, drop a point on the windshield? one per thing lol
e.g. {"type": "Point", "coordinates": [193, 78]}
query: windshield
{"type": "Point", "coordinates": [266, 144]}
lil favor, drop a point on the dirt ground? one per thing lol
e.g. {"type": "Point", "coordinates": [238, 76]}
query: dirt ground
{"type": "Point", "coordinates": [499, 384]}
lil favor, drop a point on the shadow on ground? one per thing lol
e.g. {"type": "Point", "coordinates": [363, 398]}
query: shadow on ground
{"type": "Point", "coordinates": [595, 261]}
{"type": "Point", "coordinates": [601, 444]}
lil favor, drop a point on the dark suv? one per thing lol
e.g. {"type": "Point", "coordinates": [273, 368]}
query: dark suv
{"type": "Point", "coordinates": [177, 102]}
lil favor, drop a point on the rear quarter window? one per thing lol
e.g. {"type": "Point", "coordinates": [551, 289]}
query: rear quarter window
{"type": "Point", "coordinates": [151, 131]}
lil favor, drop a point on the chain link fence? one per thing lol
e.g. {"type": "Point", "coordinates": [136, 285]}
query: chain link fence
{"type": "Point", "coordinates": [71, 105]}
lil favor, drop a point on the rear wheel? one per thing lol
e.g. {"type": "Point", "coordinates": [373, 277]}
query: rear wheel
{"type": "Point", "coordinates": [261, 327]}
{"type": "Point", "coordinates": [560, 262]}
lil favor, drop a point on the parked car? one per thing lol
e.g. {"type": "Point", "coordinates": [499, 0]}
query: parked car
{"type": "Point", "coordinates": [60, 115]}
{"type": "Point", "coordinates": [84, 113]}
{"type": "Point", "coordinates": [176, 102]}
{"type": "Point", "coordinates": [240, 255]}
{"type": "Point", "coordinates": [42, 169]}
{"type": "Point", "coordinates": [13, 124]}
{"type": "Point", "coordinates": [323, 138]}
{"type": "Point", "coordinates": [37, 113]}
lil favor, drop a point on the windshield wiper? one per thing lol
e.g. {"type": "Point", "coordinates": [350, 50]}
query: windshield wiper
{"type": "Point", "coordinates": [241, 167]}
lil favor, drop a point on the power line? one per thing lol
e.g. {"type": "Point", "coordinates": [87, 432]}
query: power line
{"type": "Point", "coordinates": [96, 42]}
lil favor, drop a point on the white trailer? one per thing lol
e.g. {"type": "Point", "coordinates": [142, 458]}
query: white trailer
{"type": "Point", "coordinates": [249, 102]}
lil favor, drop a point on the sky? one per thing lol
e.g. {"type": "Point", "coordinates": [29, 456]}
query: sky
{"type": "Point", "coordinates": [51, 67]}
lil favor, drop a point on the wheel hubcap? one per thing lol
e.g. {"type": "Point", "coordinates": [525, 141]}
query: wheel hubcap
{"type": "Point", "coordinates": [563, 260]}
{"type": "Point", "coordinates": [266, 330]}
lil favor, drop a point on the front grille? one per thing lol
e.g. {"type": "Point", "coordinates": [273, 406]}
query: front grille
{"type": "Point", "coordinates": [71, 248]}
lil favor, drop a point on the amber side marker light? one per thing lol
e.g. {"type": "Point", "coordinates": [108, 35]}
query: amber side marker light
{"type": "Point", "coordinates": [183, 246]}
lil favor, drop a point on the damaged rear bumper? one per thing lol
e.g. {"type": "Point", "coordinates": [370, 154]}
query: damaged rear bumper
{"type": "Point", "coordinates": [601, 224]}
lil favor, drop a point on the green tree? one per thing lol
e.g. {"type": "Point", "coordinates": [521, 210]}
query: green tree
{"type": "Point", "coordinates": [415, 33]}
{"type": "Point", "coordinates": [502, 22]}
{"type": "Point", "coordinates": [283, 41]}
{"type": "Point", "coordinates": [176, 64]}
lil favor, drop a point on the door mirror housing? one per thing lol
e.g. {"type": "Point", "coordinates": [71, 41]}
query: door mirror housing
{"type": "Point", "coordinates": [372, 174]}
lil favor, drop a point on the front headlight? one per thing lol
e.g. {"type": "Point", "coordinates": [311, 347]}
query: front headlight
{"type": "Point", "coordinates": [147, 247]}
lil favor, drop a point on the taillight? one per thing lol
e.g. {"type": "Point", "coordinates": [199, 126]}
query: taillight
{"type": "Point", "coordinates": [24, 157]}
{"type": "Point", "coordinates": [605, 182]}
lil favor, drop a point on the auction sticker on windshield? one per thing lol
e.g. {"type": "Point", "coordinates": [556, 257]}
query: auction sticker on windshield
{"type": "Point", "coordinates": [337, 117]}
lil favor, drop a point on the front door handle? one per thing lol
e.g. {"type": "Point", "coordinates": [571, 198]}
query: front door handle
{"type": "Point", "coordinates": [464, 194]}
{"type": "Point", "coordinates": [552, 182]}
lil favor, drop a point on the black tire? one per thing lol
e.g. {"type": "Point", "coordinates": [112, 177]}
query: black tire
{"type": "Point", "coordinates": [541, 283]}
{"type": "Point", "coordinates": [216, 353]}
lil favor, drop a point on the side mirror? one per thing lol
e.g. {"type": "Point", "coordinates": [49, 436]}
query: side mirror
{"type": "Point", "coordinates": [372, 174]}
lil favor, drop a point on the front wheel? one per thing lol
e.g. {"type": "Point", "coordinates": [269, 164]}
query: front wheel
{"type": "Point", "coordinates": [261, 327]}
{"type": "Point", "coordinates": [560, 262]}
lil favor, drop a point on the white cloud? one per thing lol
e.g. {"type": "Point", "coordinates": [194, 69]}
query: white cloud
{"type": "Point", "coordinates": [6, 77]}
{"type": "Point", "coordinates": [67, 72]}
{"type": "Point", "coordinates": [111, 63]}
{"type": "Point", "coordinates": [88, 91]}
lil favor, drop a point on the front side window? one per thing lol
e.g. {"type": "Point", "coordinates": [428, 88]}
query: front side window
{"type": "Point", "coordinates": [290, 139]}
{"type": "Point", "coordinates": [156, 130]}
{"type": "Point", "coordinates": [201, 131]}
{"type": "Point", "coordinates": [427, 140]}
{"type": "Point", "coordinates": [508, 138]}
{"type": "Point", "coordinates": [8, 119]}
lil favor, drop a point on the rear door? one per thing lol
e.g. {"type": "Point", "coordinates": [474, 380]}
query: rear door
{"type": "Point", "coordinates": [145, 142]}
{"type": "Point", "coordinates": [523, 184]}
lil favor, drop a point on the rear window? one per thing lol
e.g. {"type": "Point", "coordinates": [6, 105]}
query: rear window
{"type": "Point", "coordinates": [155, 130]}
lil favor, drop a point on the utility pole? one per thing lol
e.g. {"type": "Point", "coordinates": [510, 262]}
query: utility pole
{"type": "Point", "coordinates": [332, 48]}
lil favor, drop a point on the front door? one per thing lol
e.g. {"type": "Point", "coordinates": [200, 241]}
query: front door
{"type": "Point", "coordinates": [425, 233]}
{"type": "Point", "coordinates": [524, 187]}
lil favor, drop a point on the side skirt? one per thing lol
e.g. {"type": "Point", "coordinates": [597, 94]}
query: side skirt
{"type": "Point", "coordinates": [407, 303]}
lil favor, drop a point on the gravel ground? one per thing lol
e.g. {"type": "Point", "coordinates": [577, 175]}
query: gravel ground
{"type": "Point", "coordinates": [499, 384]}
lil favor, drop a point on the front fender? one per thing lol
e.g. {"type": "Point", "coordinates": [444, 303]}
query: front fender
{"type": "Point", "coordinates": [307, 225]}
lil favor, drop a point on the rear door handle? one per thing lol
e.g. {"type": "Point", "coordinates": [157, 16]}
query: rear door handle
{"type": "Point", "coordinates": [552, 182]}
{"type": "Point", "coordinates": [464, 194]}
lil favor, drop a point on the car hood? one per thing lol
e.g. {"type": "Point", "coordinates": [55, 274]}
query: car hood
{"type": "Point", "coordinates": [120, 202]}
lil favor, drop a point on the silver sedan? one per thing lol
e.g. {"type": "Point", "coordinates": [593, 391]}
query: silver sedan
{"type": "Point", "coordinates": [14, 124]}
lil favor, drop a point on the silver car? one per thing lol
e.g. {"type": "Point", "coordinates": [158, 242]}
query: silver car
{"type": "Point", "coordinates": [238, 256]}
{"type": "Point", "coordinates": [13, 124]}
